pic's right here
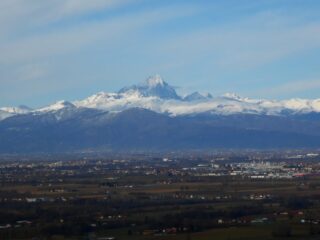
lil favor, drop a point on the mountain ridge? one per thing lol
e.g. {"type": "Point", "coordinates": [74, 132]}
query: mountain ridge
{"type": "Point", "coordinates": [157, 95]}
{"type": "Point", "coordinates": [144, 118]}
{"type": "Point", "coordinates": [140, 129]}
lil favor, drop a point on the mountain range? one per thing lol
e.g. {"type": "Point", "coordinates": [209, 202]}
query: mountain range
{"type": "Point", "coordinates": [151, 116]}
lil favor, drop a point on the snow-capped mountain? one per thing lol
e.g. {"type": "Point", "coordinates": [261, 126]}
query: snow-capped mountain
{"type": "Point", "coordinates": [157, 95]}
{"type": "Point", "coordinates": [152, 116]}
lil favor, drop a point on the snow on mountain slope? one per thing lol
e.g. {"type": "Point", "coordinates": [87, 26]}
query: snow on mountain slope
{"type": "Point", "coordinates": [302, 105]}
{"type": "Point", "coordinates": [153, 95]}
{"type": "Point", "coordinates": [117, 102]}
{"type": "Point", "coordinates": [157, 95]}
{"type": "Point", "coordinates": [56, 106]}
{"type": "Point", "coordinates": [224, 105]}
{"type": "Point", "coordinates": [196, 103]}
{"type": "Point", "coordinates": [6, 112]}
{"type": "Point", "coordinates": [16, 110]}
{"type": "Point", "coordinates": [296, 106]}
{"type": "Point", "coordinates": [148, 96]}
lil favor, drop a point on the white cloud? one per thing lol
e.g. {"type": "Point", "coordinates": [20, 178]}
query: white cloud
{"type": "Point", "coordinates": [32, 72]}
{"type": "Point", "coordinates": [248, 43]}
{"type": "Point", "coordinates": [66, 40]}
{"type": "Point", "coordinates": [21, 15]}
{"type": "Point", "coordinates": [72, 7]}
{"type": "Point", "coordinates": [40, 38]}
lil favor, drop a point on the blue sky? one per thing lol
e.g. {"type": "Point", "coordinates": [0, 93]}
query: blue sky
{"type": "Point", "coordinates": [70, 49]}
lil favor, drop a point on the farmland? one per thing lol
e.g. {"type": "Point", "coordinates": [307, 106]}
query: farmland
{"type": "Point", "coordinates": [160, 197]}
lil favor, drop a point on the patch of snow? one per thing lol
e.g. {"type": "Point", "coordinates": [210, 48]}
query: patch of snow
{"type": "Point", "coordinates": [6, 112]}
{"type": "Point", "coordinates": [56, 106]}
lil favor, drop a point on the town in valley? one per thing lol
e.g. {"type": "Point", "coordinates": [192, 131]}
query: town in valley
{"type": "Point", "coordinates": [176, 195]}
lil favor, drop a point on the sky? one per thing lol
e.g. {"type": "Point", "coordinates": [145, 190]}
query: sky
{"type": "Point", "coordinates": [70, 49]}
